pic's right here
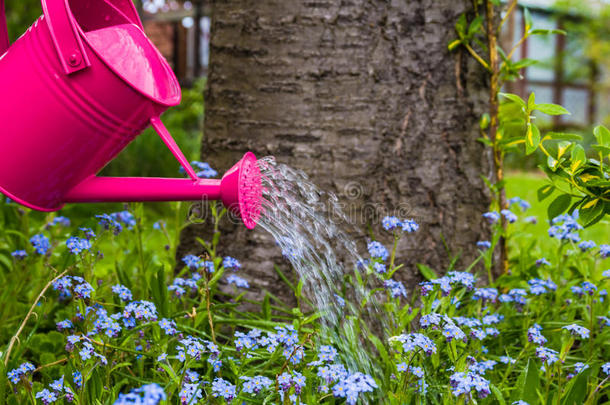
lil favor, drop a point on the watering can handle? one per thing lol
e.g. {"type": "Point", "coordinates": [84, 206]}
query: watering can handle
{"type": "Point", "coordinates": [4, 42]}
{"type": "Point", "coordinates": [64, 33]}
{"type": "Point", "coordinates": [173, 147]}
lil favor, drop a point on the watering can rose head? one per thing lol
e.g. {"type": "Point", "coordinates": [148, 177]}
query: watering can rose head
{"type": "Point", "coordinates": [92, 82]}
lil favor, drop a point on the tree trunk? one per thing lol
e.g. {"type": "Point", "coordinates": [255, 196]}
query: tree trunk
{"type": "Point", "coordinates": [364, 96]}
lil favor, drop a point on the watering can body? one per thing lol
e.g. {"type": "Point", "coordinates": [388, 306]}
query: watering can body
{"type": "Point", "coordinates": [71, 99]}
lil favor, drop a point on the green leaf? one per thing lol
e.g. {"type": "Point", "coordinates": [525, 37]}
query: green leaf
{"type": "Point", "coordinates": [122, 276]}
{"type": "Point", "coordinates": [460, 26]}
{"type": "Point", "coordinates": [523, 63]}
{"type": "Point", "coordinates": [3, 383]}
{"type": "Point", "coordinates": [47, 358]}
{"type": "Point", "coordinates": [454, 44]}
{"type": "Point", "coordinates": [562, 148]}
{"type": "Point", "coordinates": [527, 17]}
{"type": "Point", "coordinates": [94, 385]}
{"type": "Point", "coordinates": [531, 101]}
{"type": "Point", "coordinates": [426, 271]}
{"type": "Point", "coordinates": [484, 121]}
{"type": "Point", "coordinates": [6, 262]}
{"type": "Point", "coordinates": [383, 353]}
{"type": "Point", "coordinates": [602, 134]}
{"type": "Point", "coordinates": [539, 31]}
{"type": "Point", "coordinates": [551, 109]}
{"type": "Point", "coordinates": [579, 158]}
{"type": "Point", "coordinates": [545, 191]}
{"type": "Point", "coordinates": [559, 205]}
{"type": "Point", "coordinates": [598, 183]}
{"type": "Point", "coordinates": [532, 139]}
{"type": "Point", "coordinates": [527, 384]}
{"type": "Point", "coordinates": [475, 26]}
{"type": "Point", "coordinates": [485, 141]}
{"type": "Point", "coordinates": [56, 339]}
{"type": "Point", "coordinates": [158, 289]}
{"type": "Point", "coordinates": [284, 278]}
{"type": "Point", "coordinates": [603, 149]}
{"type": "Point", "coordinates": [562, 136]}
{"type": "Point", "coordinates": [498, 394]}
{"type": "Point", "coordinates": [577, 392]}
{"type": "Point", "coordinates": [552, 163]}
{"type": "Point", "coordinates": [590, 211]}
{"type": "Point", "coordinates": [311, 318]}
{"type": "Point", "coordinates": [514, 98]}
{"type": "Point", "coordinates": [266, 307]}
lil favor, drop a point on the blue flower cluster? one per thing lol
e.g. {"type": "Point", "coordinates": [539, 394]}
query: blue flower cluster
{"type": "Point", "coordinates": [191, 261]}
{"type": "Point", "coordinates": [483, 244]}
{"type": "Point", "coordinates": [377, 250]}
{"type": "Point", "coordinates": [352, 385]}
{"type": "Point", "coordinates": [58, 390]}
{"type": "Point", "coordinates": [73, 285]}
{"type": "Point", "coordinates": [180, 285]}
{"type": "Point", "coordinates": [414, 341]}
{"type": "Point", "coordinates": [231, 263]}
{"type": "Point", "coordinates": [566, 227]}
{"type": "Point", "coordinates": [21, 372]}
{"type": "Point", "coordinates": [149, 394]}
{"type": "Point", "coordinates": [194, 348]}
{"type": "Point", "coordinates": [204, 170]}
{"type": "Point", "coordinates": [524, 205]}
{"type": "Point", "coordinates": [447, 283]}
{"type": "Point", "coordinates": [534, 335]}
{"type": "Point", "coordinates": [19, 254]}
{"type": "Point", "coordinates": [62, 221]}
{"type": "Point", "coordinates": [390, 223]}
{"type": "Point", "coordinates": [77, 245]}
{"type": "Point", "coordinates": [224, 389]}
{"type": "Point", "coordinates": [116, 220]}
{"type": "Point", "coordinates": [577, 330]}
{"type": "Point", "coordinates": [254, 385]}
{"type": "Point", "coordinates": [396, 288]}
{"type": "Point", "coordinates": [238, 281]}
{"type": "Point", "coordinates": [40, 243]}
{"type": "Point", "coordinates": [509, 216]}
{"type": "Point", "coordinates": [123, 292]}
{"type": "Point", "coordinates": [464, 382]}
{"type": "Point", "coordinates": [538, 286]}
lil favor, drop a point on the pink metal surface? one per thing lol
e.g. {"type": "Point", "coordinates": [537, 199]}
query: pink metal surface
{"type": "Point", "coordinates": [124, 189]}
{"type": "Point", "coordinates": [241, 190]}
{"type": "Point", "coordinates": [64, 33]}
{"type": "Point", "coordinates": [79, 86]}
{"type": "Point", "coordinates": [173, 147]}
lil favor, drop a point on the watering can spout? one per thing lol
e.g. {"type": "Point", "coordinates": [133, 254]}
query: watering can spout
{"type": "Point", "coordinates": [239, 190]}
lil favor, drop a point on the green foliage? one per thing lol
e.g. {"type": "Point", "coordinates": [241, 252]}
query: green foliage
{"type": "Point", "coordinates": [584, 182]}
{"type": "Point", "coordinates": [20, 15]}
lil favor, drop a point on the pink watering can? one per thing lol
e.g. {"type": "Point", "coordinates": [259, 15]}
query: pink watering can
{"type": "Point", "coordinates": [75, 90]}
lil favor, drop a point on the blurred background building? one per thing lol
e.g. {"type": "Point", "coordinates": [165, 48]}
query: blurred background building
{"type": "Point", "coordinates": [573, 69]}
{"type": "Point", "coordinates": [181, 31]}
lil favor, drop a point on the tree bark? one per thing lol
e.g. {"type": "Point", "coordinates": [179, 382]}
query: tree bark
{"type": "Point", "coordinates": [364, 96]}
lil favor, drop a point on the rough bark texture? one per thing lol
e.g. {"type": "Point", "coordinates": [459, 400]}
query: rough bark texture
{"type": "Point", "coordinates": [364, 96]}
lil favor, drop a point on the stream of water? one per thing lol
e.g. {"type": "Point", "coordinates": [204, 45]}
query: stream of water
{"type": "Point", "coordinates": [313, 233]}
